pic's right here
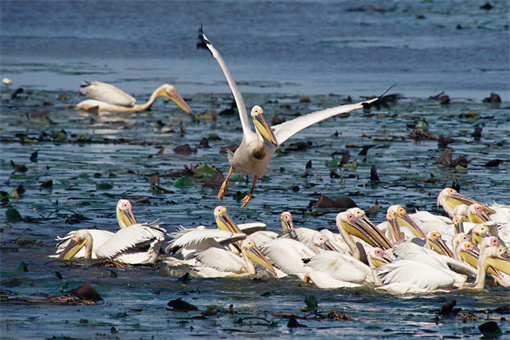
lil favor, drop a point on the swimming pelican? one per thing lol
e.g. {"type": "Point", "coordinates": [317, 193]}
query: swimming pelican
{"type": "Point", "coordinates": [287, 254]}
{"type": "Point", "coordinates": [257, 148]}
{"type": "Point", "coordinates": [410, 276]}
{"type": "Point", "coordinates": [112, 99]}
{"type": "Point", "coordinates": [492, 256]}
{"type": "Point", "coordinates": [354, 222]}
{"type": "Point", "coordinates": [136, 244]}
{"type": "Point", "coordinates": [189, 242]}
{"type": "Point", "coordinates": [449, 198]}
{"type": "Point", "coordinates": [125, 218]}
{"type": "Point", "coordinates": [304, 235]}
{"type": "Point", "coordinates": [217, 262]}
{"type": "Point", "coordinates": [396, 219]}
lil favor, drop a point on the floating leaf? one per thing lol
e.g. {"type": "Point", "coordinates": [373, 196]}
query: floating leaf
{"type": "Point", "coordinates": [22, 267]}
{"type": "Point", "coordinates": [181, 305]}
{"type": "Point", "coordinates": [311, 303]}
{"type": "Point", "coordinates": [87, 292]}
{"type": "Point", "coordinates": [104, 186]}
{"type": "Point", "coordinates": [13, 215]}
{"type": "Point", "coordinates": [60, 136]}
{"type": "Point", "coordinates": [205, 170]}
{"type": "Point", "coordinates": [183, 181]}
{"type": "Point", "coordinates": [490, 330]}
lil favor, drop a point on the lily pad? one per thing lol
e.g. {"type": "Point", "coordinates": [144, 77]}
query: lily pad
{"type": "Point", "coordinates": [13, 215]}
{"type": "Point", "coordinates": [183, 181]}
{"type": "Point", "coordinates": [104, 186]}
{"type": "Point", "coordinates": [204, 170]}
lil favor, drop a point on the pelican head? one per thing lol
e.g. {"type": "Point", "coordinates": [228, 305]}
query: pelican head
{"type": "Point", "coordinates": [78, 240]}
{"type": "Point", "coordinates": [355, 222]}
{"type": "Point", "coordinates": [250, 250]}
{"type": "Point", "coordinates": [378, 258]}
{"type": "Point", "coordinates": [169, 91]}
{"type": "Point", "coordinates": [403, 219]}
{"type": "Point", "coordinates": [223, 220]}
{"type": "Point", "coordinates": [286, 218]}
{"type": "Point", "coordinates": [434, 241]}
{"type": "Point", "coordinates": [476, 214]}
{"type": "Point", "coordinates": [321, 243]}
{"type": "Point", "coordinates": [261, 125]}
{"type": "Point", "coordinates": [479, 231]}
{"type": "Point", "coordinates": [449, 198]}
{"type": "Point", "coordinates": [125, 215]}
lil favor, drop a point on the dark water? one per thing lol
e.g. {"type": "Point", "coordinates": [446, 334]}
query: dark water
{"type": "Point", "coordinates": [274, 50]}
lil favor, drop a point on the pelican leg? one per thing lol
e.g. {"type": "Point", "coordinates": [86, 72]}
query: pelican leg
{"type": "Point", "coordinates": [223, 188]}
{"type": "Point", "coordinates": [249, 195]}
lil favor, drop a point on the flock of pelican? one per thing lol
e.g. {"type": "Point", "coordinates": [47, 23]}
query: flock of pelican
{"type": "Point", "coordinates": [407, 253]}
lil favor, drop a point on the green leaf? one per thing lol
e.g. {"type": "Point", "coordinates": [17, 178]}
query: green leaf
{"type": "Point", "coordinates": [60, 136]}
{"type": "Point", "coordinates": [183, 181]}
{"type": "Point", "coordinates": [22, 267]}
{"type": "Point", "coordinates": [311, 303]}
{"type": "Point", "coordinates": [204, 170]}
{"type": "Point", "coordinates": [104, 186]}
{"type": "Point", "coordinates": [333, 163]}
{"type": "Point", "coordinates": [13, 215]}
{"type": "Point", "coordinates": [490, 330]}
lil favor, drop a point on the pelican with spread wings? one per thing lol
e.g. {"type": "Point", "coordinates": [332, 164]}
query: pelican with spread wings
{"type": "Point", "coordinates": [257, 148]}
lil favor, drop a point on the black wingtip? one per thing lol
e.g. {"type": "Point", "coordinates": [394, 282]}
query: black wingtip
{"type": "Point", "coordinates": [383, 100]}
{"type": "Point", "coordinates": [202, 41]}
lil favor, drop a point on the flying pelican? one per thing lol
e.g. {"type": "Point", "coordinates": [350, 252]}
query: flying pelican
{"type": "Point", "coordinates": [257, 148]}
{"type": "Point", "coordinates": [218, 262]}
{"type": "Point", "coordinates": [112, 99]}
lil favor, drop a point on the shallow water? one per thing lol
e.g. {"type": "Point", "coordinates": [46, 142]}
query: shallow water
{"type": "Point", "coordinates": [271, 49]}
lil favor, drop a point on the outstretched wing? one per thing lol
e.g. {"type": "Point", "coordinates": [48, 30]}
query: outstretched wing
{"type": "Point", "coordinates": [287, 129]}
{"type": "Point", "coordinates": [128, 238]}
{"type": "Point", "coordinates": [205, 43]}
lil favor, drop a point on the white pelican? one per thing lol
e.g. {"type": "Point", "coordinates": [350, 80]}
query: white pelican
{"type": "Point", "coordinates": [189, 242]}
{"type": "Point", "coordinates": [218, 262]}
{"type": "Point", "coordinates": [449, 198]}
{"type": "Point", "coordinates": [354, 222]}
{"type": "Point", "coordinates": [409, 276]}
{"type": "Point", "coordinates": [306, 236]}
{"type": "Point", "coordinates": [136, 244]}
{"type": "Point", "coordinates": [496, 257]}
{"type": "Point", "coordinates": [257, 148]}
{"type": "Point", "coordinates": [325, 281]}
{"type": "Point", "coordinates": [125, 218]}
{"type": "Point", "coordinates": [397, 218]}
{"type": "Point", "coordinates": [287, 254]}
{"type": "Point", "coordinates": [341, 267]}
{"type": "Point", "coordinates": [112, 99]}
